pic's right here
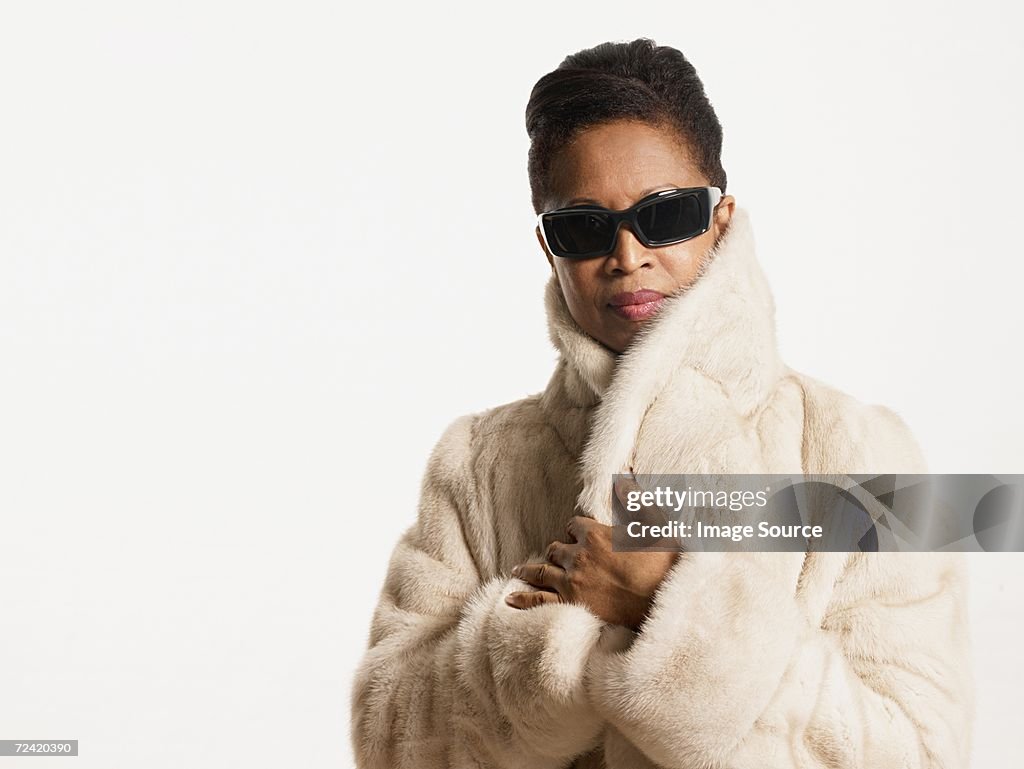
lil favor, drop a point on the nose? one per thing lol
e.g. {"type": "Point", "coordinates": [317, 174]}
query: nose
{"type": "Point", "coordinates": [629, 254]}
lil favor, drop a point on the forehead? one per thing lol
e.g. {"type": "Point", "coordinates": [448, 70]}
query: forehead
{"type": "Point", "coordinates": [614, 164]}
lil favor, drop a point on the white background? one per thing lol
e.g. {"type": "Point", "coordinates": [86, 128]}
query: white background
{"type": "Point", "coordinates": [255, 257]}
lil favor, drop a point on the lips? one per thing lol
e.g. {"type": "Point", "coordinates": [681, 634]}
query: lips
{"type": "Point", "coordinates": [643, 296]}
{"type": "Point", "coordinates": [636, 305]}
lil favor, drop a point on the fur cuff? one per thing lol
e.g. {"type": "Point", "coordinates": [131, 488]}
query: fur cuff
{"type": "Point", "coordinates": [528, 666]}
{"type": "Point", "coordinates": [709, 658]}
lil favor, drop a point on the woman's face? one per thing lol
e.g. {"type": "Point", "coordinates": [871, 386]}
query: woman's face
{"type": "Point", "coordinates": [614, 165]}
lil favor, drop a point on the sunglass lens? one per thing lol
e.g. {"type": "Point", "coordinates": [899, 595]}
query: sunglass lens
{"type": "Point", "coordinates": [673, 219]}
{"type": "Point", "coordinates": [579, 234]}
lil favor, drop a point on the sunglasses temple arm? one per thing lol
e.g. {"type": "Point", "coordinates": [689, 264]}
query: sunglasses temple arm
{"type": "Point", "coordinates": [716, 196]}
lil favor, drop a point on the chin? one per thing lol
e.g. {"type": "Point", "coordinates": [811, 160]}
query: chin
{"type": "Point", "coordinates": [618, 344]}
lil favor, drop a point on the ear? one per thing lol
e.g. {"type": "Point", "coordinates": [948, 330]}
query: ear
{"type": "Point", "coordinates": [540, 239]}
{"type": "Point", "coordinates": [724, 211]}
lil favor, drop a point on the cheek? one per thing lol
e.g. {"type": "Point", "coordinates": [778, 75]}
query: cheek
{"type": "Point", "coordinates": [579, 283]}
{"type": "Point", "coordinates": [683, 260]}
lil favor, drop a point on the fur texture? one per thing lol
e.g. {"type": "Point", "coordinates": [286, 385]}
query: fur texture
{"type": "Point", "coordinates": [746, 659]}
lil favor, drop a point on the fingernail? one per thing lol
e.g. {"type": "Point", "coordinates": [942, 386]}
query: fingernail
{"type": "Point", "coordinates": [516, 571]}
{"type": "Point", "coordinates": [510, 601]}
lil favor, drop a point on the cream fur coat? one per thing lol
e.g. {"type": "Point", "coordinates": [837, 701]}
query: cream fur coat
{"type": "Point", "coordinates": [746, 660]}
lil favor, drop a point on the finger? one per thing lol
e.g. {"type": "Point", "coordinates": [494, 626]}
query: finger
{"type": "Point", "coordinates": [624, 487]}
{"type": "Point", "coordinates": [626, 481]}
{"type": "Point", "coordinates": [624, 484]}
{"type": "Point", "coordinates": [561, 554]}
{"type": "Point", "coordinates": [578, 526]}
{"type": "Point", "coordinates": [542, 575]}
{"type": "Point", "coordinates": [527, 600]}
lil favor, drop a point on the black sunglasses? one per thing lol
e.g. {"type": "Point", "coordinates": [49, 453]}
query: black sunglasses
{"type": "Point", "coordinates": [660, 219]}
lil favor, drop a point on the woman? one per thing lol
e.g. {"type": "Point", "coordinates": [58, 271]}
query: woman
{"type": "Point", "coordinates": [509, 634]}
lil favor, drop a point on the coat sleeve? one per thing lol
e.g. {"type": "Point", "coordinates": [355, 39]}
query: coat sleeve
{"type": "Point", "coordinates": [734, 668]}
{"type": "Point", "coordinates": [728, 671]}
{"type": "Point", "coordinates": [453, 676]}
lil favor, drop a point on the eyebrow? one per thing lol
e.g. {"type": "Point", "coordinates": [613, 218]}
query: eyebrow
{"type": "Point", "coordinates": [644, 194]}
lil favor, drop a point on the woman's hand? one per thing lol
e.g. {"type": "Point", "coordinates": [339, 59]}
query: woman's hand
{"type": "Point", "coordinates": [618, 587]}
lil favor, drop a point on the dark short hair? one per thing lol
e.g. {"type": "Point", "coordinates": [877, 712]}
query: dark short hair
{"type": "Point", "coordinates": [638, 80]}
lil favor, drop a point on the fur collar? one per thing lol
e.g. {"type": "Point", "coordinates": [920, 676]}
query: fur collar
{"type": "Point", "coordinates": [722, 327]}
